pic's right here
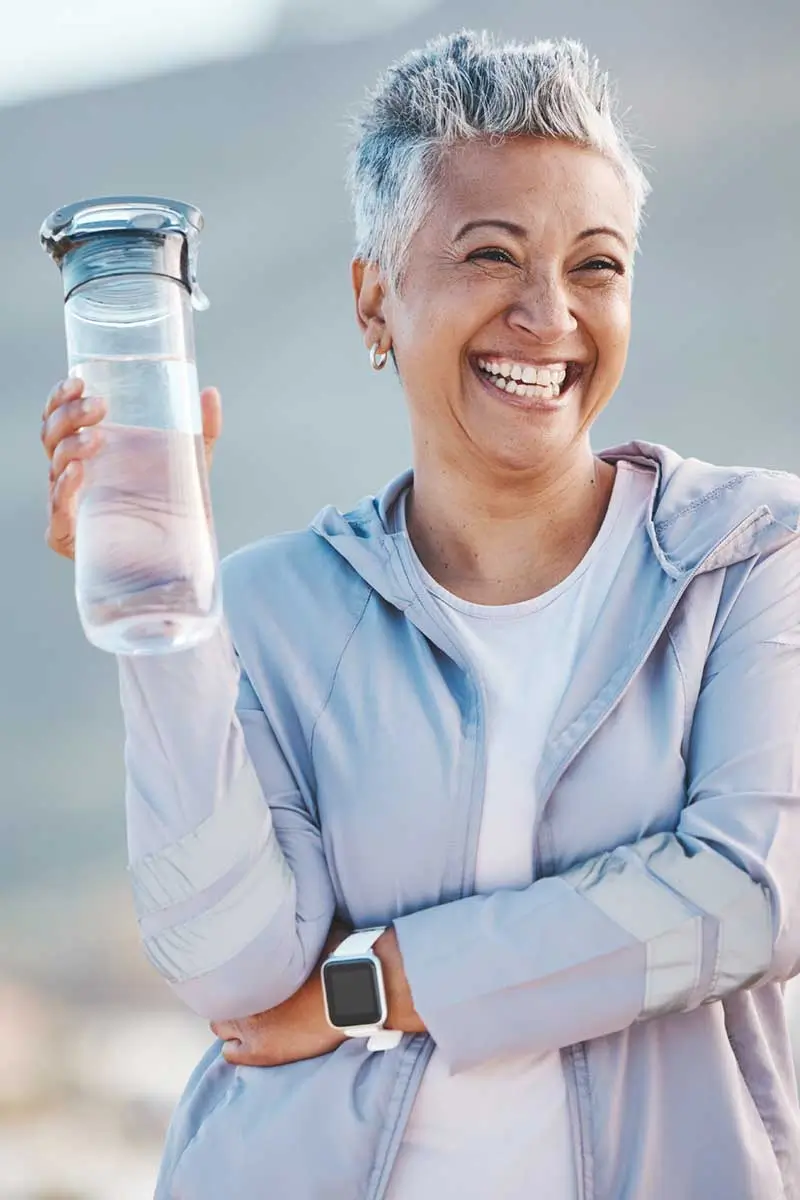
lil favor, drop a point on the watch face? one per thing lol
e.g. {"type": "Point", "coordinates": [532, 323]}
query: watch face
{"type": "Point", "coordinates": [351, 989]}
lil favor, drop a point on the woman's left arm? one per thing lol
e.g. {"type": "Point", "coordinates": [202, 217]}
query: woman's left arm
{"type": "Point", "coordinates": [665, 924]}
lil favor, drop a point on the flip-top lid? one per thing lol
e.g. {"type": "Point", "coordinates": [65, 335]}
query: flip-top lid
{"type": "Point", "coordinates": [119, 235]}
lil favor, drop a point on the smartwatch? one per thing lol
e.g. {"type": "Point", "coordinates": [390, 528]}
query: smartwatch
{"type": "Point", "coordinates": [355, 998]}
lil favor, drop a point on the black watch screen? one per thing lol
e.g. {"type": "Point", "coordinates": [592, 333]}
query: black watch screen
{"type": "Point", "coordinates": [351, 991]}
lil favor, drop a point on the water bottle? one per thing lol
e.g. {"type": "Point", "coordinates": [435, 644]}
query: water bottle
{"type": "Point", "coordinates": [146, 565]}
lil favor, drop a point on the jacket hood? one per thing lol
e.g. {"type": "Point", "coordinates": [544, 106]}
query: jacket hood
{"type": "Point", "coordinates": [701, 517]}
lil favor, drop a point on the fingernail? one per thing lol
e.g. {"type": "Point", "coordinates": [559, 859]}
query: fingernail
{"type": "Point", "coordinates": [86, 437]}
{"type": "Point", "coordinates": [71, 470]}
{"type": "Point", "coordinates": [88, 406]}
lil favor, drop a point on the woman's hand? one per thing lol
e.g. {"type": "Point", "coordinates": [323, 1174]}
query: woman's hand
{"type": "Point", "coordinates": [69, 438]}
{"type": "Point", "coordinates": [298, 1028]}
{"type": "Point", "coordinates": [295, 1030]}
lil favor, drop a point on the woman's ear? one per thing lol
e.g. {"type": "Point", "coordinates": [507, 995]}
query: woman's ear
{"type": "Point", "coordinates": [370, 294]}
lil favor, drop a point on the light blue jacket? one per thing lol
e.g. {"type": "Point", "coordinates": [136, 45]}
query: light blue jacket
{"type": "Point", "coordinates": [344, 772]}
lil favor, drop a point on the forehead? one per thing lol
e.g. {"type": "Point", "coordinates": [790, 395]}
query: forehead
{"type": "Point", "coordinates": [542, 184]}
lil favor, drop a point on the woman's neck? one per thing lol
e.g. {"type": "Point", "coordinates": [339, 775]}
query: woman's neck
{"type": "Point", "coordinates": [492, 544]}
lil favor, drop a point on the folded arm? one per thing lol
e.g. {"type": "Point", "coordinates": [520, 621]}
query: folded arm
{"type": "Point", "coordinates": [664, 924]}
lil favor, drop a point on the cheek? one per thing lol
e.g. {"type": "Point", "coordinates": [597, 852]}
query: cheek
{"type": "Point", "coordinates": [613, 332]}
{"type": "Point", "coordinates": [428, 345]}
{"type": "Point", "coordinates": [438, 319]}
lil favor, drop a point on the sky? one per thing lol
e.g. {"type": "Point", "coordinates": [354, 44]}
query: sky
{"type": "Point", "coordinates": [53, 46]}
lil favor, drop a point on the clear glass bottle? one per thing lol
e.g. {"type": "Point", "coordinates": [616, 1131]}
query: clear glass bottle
{"type": "Point", "coordinates": [146, 564]}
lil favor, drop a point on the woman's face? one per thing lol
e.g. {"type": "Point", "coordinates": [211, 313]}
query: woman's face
{"type": "Point", "coordinates": [522, 267]}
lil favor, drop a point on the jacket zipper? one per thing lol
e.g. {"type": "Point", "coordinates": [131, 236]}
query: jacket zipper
{"type": "Point", "coordinates": [416, 1051]}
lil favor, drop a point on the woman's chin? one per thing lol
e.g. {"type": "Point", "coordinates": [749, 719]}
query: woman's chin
{"type": "Point", "coordinates": [531, 447]}
{"type": "Point", "coordinates": [531, 457]}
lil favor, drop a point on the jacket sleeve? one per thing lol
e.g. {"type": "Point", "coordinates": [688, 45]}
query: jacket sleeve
{"type": "Point", "coordinates": [231, 889]}
{"type": "Point", "coordinates": [669, 922]}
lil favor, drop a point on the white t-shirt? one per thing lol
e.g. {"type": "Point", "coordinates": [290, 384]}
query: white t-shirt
{"type": "Point", "coordinates": [502, 1129]}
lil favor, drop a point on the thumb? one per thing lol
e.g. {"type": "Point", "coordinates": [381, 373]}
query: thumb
{"type": "Point", "coordinates": [245, 1054]}
{"type": "Point", "coordinates": [211, 408]}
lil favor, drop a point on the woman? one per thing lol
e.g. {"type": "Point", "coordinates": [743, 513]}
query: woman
{"type": "Point", "coordinates": [529, 716]}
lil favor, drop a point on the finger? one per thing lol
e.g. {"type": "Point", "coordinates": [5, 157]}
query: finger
{"type": "Point", "coordinates": [62, 393]}
{"type": "Point", "coordinates": [238, 1055]}
{"type": "Point", "coordinates": [226, 1030]}
{"type": "Point", "coordinates": [233, 1051]}
{"type": "Point", "coordinates": [68, 417]}
{"type": "Point", "coordinates": [81, 445]}
{"type": "Point", "coordinates": [63, 503]}
{"type": "Point", "coordinates": [211, 407]}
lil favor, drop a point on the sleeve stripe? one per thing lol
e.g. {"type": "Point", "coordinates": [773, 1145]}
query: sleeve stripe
{"type": "Point", "coordinates": [623, 890]}
{"type": "Point", "coordinates": [204, 943]}
{"type": "Point", "coordinates": [235, 831]}
{"type": "Point", "coordinates": [739, 905]}
{"type": "Point", "coordinates": [704, 922]}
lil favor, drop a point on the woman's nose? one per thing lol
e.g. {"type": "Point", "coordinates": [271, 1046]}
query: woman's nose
{"type": "Point", "coordinates": [543, 310]}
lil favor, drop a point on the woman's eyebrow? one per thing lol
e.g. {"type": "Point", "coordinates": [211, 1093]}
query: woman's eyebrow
{"type": "Point", "coordinates": [521, 232]}
{"type": "Point", "coordinates": [615, 233]}
{"type": "Point", "coordinates": [494, 222]}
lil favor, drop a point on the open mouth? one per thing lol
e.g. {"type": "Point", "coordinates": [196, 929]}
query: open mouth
{"type": "Point", "coordinates": [538, 383]}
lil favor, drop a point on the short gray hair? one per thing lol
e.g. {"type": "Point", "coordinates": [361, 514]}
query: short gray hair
{"type": "Point", "coordinates": [463, 87]}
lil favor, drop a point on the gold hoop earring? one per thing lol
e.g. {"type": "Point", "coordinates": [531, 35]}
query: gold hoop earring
{"type": "Point", "coordinates": [378, 357]}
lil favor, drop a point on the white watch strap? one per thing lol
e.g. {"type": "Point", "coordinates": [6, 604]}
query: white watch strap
{"type": "Point", "coordinates": [358, 942]}
{"type": "Point", "coordinates": [387, 1039]}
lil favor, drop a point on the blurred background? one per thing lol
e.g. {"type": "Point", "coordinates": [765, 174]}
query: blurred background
{"type": "Point", "coordinates": [242, 108]}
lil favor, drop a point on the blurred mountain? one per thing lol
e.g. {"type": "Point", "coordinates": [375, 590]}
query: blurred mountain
{"type": "Point", "coordinates": [259, 144]}
{"type": "Point", "coordinates": [96, 43]}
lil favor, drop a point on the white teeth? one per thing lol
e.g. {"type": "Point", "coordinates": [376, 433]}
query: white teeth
{"type": "Point", "coordinates": [542, 383]}
{"type": "Point", "coordinates": [542, 376]}
{"type": "Point", "coordinates": [532, 391]}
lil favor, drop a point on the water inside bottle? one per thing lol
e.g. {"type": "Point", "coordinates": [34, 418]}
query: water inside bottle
{"type": "Point", "coordinates": [145, 558]}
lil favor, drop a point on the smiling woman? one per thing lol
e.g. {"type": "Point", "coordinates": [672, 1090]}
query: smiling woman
{"type": "Point", "coordinates": [474, 828]}
{"type": "Point", "coordinates": [523, 265]}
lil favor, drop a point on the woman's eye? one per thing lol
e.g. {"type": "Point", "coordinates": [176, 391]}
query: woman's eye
{"type": "Point", "coordinates": [602, 264]}
{"type": "Point", "coordinates": [491, 254]}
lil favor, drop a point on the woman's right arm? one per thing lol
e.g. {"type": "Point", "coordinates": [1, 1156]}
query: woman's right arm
{"type": "Point", "coordinates": [231, 887]}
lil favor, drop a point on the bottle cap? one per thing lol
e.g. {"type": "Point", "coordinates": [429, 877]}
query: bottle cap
{"type": "Point", "coordinates": [124, 235]}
